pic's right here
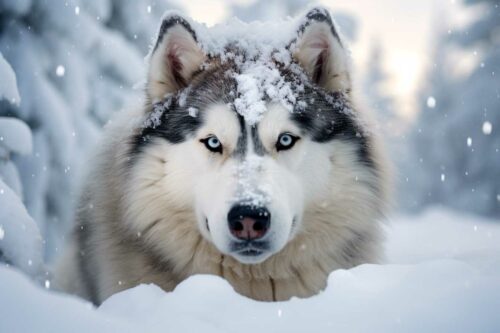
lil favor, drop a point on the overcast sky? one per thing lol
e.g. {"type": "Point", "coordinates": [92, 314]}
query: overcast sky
{"type": "Point", "coordinates": [404, 28]}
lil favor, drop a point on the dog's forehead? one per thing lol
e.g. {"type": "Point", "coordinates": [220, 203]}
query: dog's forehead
{"type": "Point", "coordinates": [215, 91]}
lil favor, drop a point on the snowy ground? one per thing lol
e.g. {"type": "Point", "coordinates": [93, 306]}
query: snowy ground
{"type": "Point", "coordinates": [442, 275]}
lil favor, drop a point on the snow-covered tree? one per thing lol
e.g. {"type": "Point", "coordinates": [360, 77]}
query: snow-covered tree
{"type": "Point", "coordinates": [375, 90]}
{"type": "Point", "coordinates": [20, 240]}
{"type": "Point", "coordinates": [456, 141]}
{"type": "Point", "coordinates": [76, 63]}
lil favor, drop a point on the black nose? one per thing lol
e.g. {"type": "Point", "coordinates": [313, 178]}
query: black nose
{"type": "Point", "coordinates": [248, 222]}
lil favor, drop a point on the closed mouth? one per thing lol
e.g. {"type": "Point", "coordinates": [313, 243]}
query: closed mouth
{"type": "Point", "coordinates": [249, 248]}
{"type": "Point", "coordinates": [250, 253]}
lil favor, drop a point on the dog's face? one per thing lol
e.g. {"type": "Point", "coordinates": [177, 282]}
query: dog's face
{"type": "Point", "coordinates": [249, 180]}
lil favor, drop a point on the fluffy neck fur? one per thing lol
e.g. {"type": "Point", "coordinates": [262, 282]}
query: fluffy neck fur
{"type": "Point", "coordinates": [333, 235]}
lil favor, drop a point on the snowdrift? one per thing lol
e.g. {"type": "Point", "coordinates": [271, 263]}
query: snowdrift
{"type": "Point", "coordinates": [443, 275]}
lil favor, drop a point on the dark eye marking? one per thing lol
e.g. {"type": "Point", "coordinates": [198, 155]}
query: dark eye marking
{"type": "Point", "coordinates": [286, 141]}
{"type": "Point", "coordinates": [212, 143]}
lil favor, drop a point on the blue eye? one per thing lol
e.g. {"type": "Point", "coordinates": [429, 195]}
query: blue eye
{"type": "Point", "coordinates": [286, 141]}
{"type": "Point", "coordinates": [213, 144]}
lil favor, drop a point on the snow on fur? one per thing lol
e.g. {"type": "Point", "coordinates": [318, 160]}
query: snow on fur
{"type": "Point", "coordinates": [257, 49]}
{"type": "Point", "coordinates": [247, 192]}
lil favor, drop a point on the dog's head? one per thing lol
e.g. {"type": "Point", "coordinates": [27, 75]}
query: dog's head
{"type": "Point", "coordinates": [247, 143]}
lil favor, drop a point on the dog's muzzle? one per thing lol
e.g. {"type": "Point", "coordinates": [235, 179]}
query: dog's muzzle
{"type": "Point", "coordinates": [249, 224]}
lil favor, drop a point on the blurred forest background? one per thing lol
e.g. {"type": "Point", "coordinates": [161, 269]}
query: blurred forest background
{"type": "Point", "coordinates": [77, 62]}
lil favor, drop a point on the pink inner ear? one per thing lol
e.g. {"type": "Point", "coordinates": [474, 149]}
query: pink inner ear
{"type": "Point", "coordinates": [319, 66]}
{"type": "Point", "coordinates": [175, 66]}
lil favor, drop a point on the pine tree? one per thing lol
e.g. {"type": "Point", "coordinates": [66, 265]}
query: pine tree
{"type": "Point", "coordinates": [375, 89]}
{"type": "Point", "coordinates": [76, 63]}
{"type": "Point", "coordinates": [20, 241]}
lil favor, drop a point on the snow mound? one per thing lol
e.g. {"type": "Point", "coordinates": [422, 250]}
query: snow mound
{"type": "Point", "coordinates": [432, 294]}
{"type": "Point", "coordinates": [26, 307]}
{"type": "Point", "coordinates": [393, 298]}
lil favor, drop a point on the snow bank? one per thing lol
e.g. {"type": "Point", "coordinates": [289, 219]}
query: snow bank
{"type": "Point", "coordinates": [439, 296]}
{"type": "Point", "coordinates": [450, 284]}
{"type": "Point", "coordinates": [28, 308]}
{"type": "Point", "coordinates": [444, 234]}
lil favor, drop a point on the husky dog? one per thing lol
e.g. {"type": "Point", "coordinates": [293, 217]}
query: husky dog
{"type": "Point", "coordinates": [256, 167]}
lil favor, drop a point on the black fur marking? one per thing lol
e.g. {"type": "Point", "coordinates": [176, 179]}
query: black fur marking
{"type": "Point", "coordinates": [241, 145]}
{"type": "Point", "coordinates": [329, 117]}
{"type": "Point", "coordinates": [176, 124]}
{"type": "Point", "coordinates": [258, 147]}
{"type": "Point", "coordinates": [169, 23]}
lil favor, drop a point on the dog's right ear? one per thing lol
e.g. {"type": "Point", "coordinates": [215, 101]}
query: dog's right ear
{"type": "Point", "coordinates": [176, 56]}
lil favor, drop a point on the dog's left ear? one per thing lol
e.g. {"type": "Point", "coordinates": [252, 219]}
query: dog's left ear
{"type": "Point", "coordinates": [319, 51]}
{"type": "Point", "coordinates": [174, 59]}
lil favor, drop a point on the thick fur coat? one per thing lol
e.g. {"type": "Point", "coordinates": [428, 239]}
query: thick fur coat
{"type": "Point", "coordinates": [156, 199]}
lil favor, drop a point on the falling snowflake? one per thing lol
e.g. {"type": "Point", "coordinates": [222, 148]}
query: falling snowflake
{"type": "Point", "coordinates": [431, 102]}
{"type": "Point", "coordinates": [60, 70]}
{"type": "Point", "coordinates": [487, 128]}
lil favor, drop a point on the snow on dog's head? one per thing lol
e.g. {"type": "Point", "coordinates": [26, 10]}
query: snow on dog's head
{"type": "Point", "coordinates": [245, 121]}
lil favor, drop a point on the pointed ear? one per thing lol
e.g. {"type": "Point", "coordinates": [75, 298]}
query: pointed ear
{"type": "Point", "coordinates": [174, 59]}
{"type": "Point", "coordinates": [320, 52]}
